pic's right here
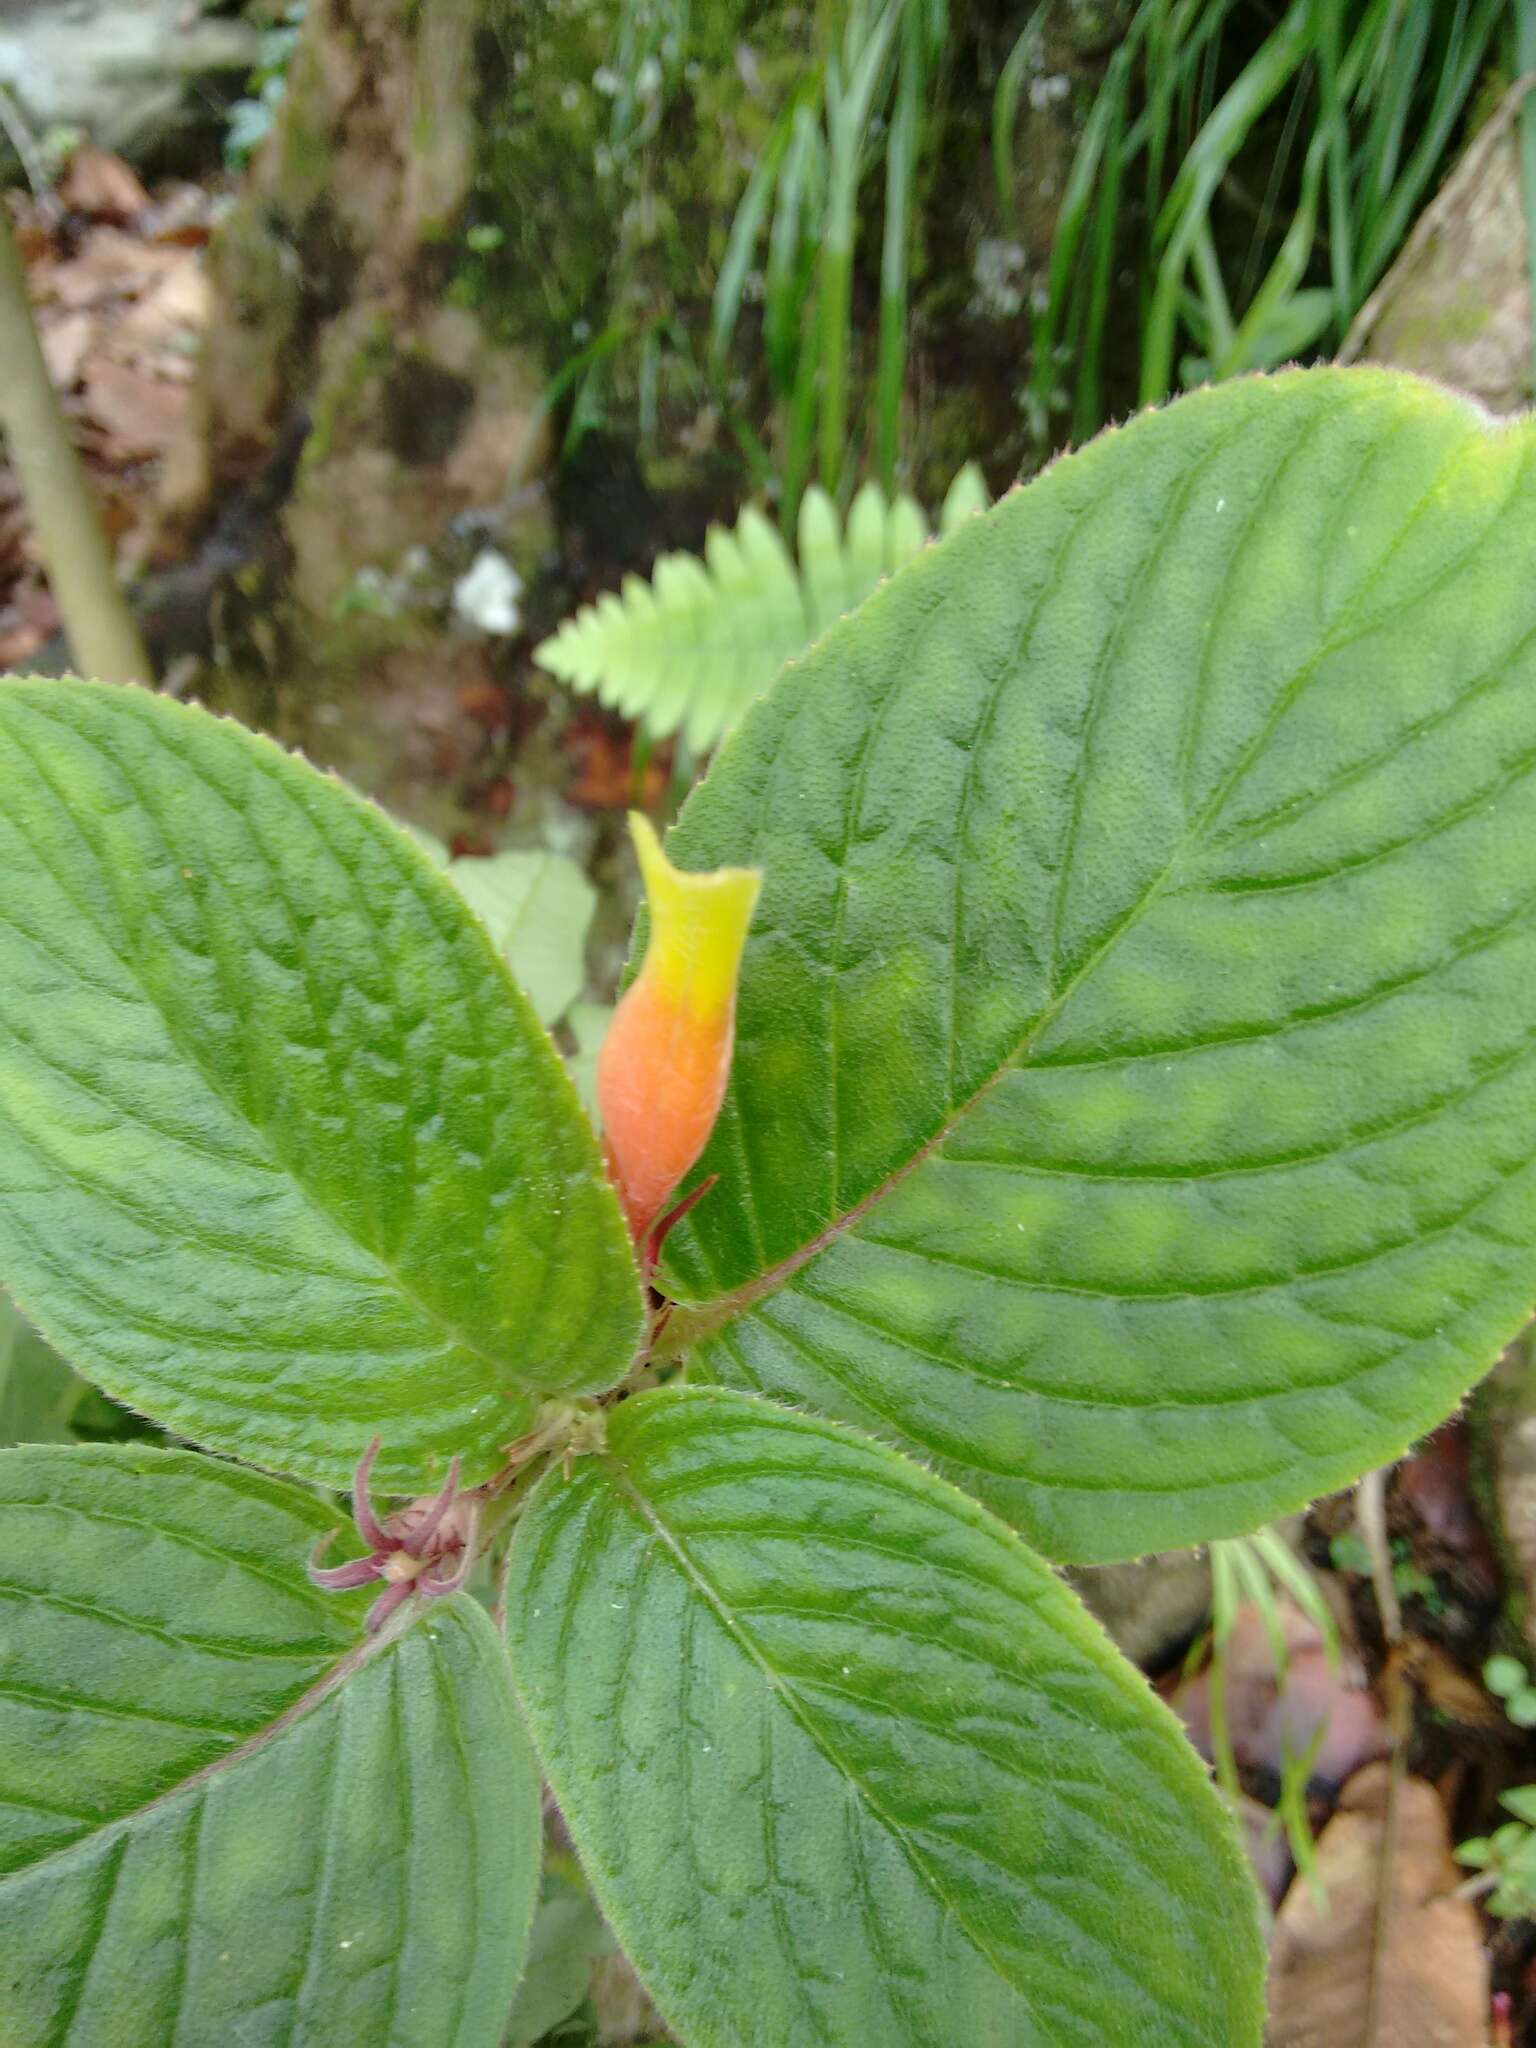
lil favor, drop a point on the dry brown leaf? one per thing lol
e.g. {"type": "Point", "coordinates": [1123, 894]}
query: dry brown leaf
{"type": "Point", "coordinates": [604, 777]}
{"type": "Point", "coordinates": [138, 414]}
{"type": "Point", "coordinates": [102, 185]}
{"type": "Point", "coordinates": [182, 213]}
{"type": "Point", "coordinates": [1267, 1720]}
{"type": "Point", "coordinates": [166, 319]}
{"type": "Point", "coordinates": [1411, 1975]}
{"type": "Point", "coordinates": [65, 343]}
{"type": "Point", "coordinates": [109, 265]}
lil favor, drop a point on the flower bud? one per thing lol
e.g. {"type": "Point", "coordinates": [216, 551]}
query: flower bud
{"type": "Point", "coordinates": [663, 1067]}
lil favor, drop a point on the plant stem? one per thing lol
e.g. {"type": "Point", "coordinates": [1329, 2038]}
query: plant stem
{"type": "Point", "coordinates": [103, 635]}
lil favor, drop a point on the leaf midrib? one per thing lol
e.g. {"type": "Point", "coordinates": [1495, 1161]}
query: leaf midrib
{"type": "Point", "coordinates": [783, 1689]}
{"type": "Point", "coordinates": [331, 1680]}
{"type": "Point", "coordinates": [692, 1325]}
{"type": "Point", "coordinates": [281, 1165]}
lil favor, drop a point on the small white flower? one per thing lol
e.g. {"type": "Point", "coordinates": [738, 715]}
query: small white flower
{"type": "Point", "coordinates": [486, 594]}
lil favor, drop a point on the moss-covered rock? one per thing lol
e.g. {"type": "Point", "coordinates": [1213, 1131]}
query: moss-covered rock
{"type": "Point", "coordinates": [1457, 304]}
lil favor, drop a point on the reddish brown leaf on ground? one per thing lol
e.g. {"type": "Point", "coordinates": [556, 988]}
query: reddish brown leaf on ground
{"type": "Point", "coordinates": [1390, 1961]}
{"type": "Point", "coordinates": [101, 184]}
{"type": "Point", "coordinates": [65, 342]}
{"type": "Point", "coordinates": [138, 413]}
{"type": "Point", "coordinates": [604, 778]}
{"type": "Point", "coordinates": [109, 264]}
{"type": "Point", "coordinates": [1267, 1719]}
{"type": "Point", "coordinates": [182, 213]}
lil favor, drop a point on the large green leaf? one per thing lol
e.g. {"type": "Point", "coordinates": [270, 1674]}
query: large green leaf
{"type": "Point", "coordinates": [223, 1818]}
{"type": "Point", "coordinates": [285, 1160]}
{"type": "Point", "coordinates": [846, 1763]}
{"type": "Point", "coordinates": [1135, 1096]}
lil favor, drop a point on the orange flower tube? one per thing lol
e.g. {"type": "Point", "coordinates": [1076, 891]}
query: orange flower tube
{"type": "Point", "coordinates": [663, 1067]}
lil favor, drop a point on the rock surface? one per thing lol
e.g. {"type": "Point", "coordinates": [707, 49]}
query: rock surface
{"type": "Point", "coordinates": [1456, 306]}
{"type": "Point", "coordinates": [126, 71]}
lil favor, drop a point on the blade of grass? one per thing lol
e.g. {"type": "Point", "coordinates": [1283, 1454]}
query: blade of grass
{"type": "Point", "coordinates": [1101, 133]}
{"type": "Point", "coordinates": [800, 429]}
{"type": "Point", "coordinates": [1405, 36]}
{"type": "Point", "coordinates": [848, 111]}
{"type": "Point", "coordinates": [1260, 1590]}
{"type": "Point", "coordinates": [1291, 1808]}
{"type": "Point", "coordinates": [1333, 127]}
{"type": "Point", "coordinates": [1104, 245]}
{"type": "Point", "coordinates": [1466, 57]}
{"type": "Point", "coordinates": [1223, 1614]}
{"type": "Point", "coordinates": [1161, 76]}
{"type": "Point", "coordinates": [1005, 116]}
{"type": "Point", "coordinates": [1260, 82]}
{"type": "Point", "coordinates": [1213, 292]}
{"type": "Point", "coordinates": [792, 248]}
{"type": "Point", "coordinates": [741, 244]}
{"type": "Point", "coordinates": [1285, 273]}
{"type": "Point", "coordinates": [900, 179]}
{"type": "Point", "coordinates": [1294, 255]}
{"type": "Point", "coordinates": [1287, 1568]}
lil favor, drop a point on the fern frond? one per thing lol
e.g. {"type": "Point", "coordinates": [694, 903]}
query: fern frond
{"type": "Point", "coordinates": [690, 650]}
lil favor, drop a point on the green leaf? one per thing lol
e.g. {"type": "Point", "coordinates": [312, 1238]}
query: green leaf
{"type": "Point", "coordinates": [568, 1936]}
{"type": "Point", "coordinates": [845, 1762]}
{"type": "Point", "coordinates": [966, 496]}
{"type": "Point", "coordinates": [588, 1025]}
{"type": "Point", "coordinates": [222, 1816]}
{"type": "Point", "coordinates": [1504, 1675]}
{"type": "Point", "coordinates": [538, 910]}
{"type": "Point", "coordinates": [38, 1392]}
{"type": "Point", "coordinates": [692, 650]}
{"type": "Point", "coordinates": [43, 1402]}
{"type": "Point", "coordinates": [286, 1159]}
{"type": "Point", "coordinates": [1134, 1108]}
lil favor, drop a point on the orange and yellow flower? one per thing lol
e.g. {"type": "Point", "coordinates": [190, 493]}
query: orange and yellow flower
{"type": "Point", "coordinates": [663, 1067]}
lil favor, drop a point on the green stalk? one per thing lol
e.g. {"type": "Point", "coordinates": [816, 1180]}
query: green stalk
{"type": "Point", "coordinates": [1005, 116]}
{"type": "Point", "coordinates": [900, 177]}
{"type": "Point", "coordinates": [741, 244]}
{"type": "Point", "coordinates": [1187, 207]}
{"type": "Point", "coordinates": [848, 110]}
{"type": "Point", "coordinates": [800, 431]}
{"type": "Point", "coordinates": [791, 247]}
{"type": "Point", "coordinates": [1087, 410]}
{"type": "Point", "coordinates": [1333, 121]}
{"type": "Point", "coordinates": [103, 635]}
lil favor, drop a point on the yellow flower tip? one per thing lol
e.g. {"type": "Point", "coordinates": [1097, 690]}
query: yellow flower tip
{"type": "Point", "coordinates": [662, 1072]}
{"type": "Point", "coordinates": [698, 924]}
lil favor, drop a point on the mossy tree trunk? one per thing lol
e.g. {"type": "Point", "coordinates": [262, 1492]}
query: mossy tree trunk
{"type": "Point", "coordinates": [467, 204]}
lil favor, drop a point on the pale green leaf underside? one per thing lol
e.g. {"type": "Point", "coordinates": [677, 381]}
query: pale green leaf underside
{"type": "Point", "coordinates": [691, 650]}
{"type": "Point", "coordinates": [1134, 1107]}
{"type": "Point", "coordinates": [846, 1763]}
{"type": "Point", "coordinates": [188, 1851]}
{"type": "Point", "coordinates": [537, 907]}
{"type": "Point", "coordinates": [567, 1937]}
{"type": "Point", "coordinates": [286, 1159]}
{"type": "Point", "coordinates": [38, 1392]}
